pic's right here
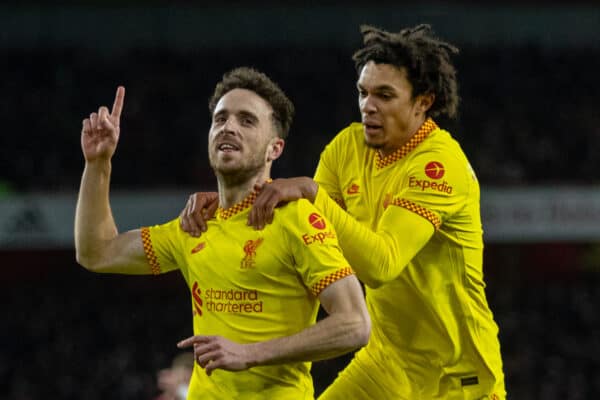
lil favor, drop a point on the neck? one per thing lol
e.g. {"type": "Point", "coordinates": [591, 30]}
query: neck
{"type": "Point", "coordinates": [233, 191]}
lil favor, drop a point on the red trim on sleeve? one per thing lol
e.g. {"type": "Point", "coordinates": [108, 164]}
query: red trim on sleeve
{"type": "Point", "coordinates": [329, 279]}
{"type": "Point", "coordinates": [149, 250]}
{"type": "Point", "coordinates": [417, 209]}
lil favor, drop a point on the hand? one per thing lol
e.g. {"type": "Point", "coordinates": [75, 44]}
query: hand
{"type": "Point", "coordinates": [276, 193]}
{"type": "Point", "coordinates": [212, 352]}
{"type": "Point", "coordinates": [100, 132]}
{"type": "Point", "coordinates": [200, 207]}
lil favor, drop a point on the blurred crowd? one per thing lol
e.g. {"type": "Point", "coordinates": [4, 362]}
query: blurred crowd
{"type": "Point", "coordinates": [528, 113]}
{"type": "Point", "coordinates": [70, 334]}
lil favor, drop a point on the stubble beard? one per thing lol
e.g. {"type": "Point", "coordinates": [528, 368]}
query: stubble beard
{"type": "Point", "coordinates": [375, 146]}
{"type": "Point", "coordinates": [240, 174]}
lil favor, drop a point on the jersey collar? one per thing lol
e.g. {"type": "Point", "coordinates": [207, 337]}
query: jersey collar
{"type": "Point", "coordinates": [428, 126]}
{"type": "Point", "coordinates": [226, 213]}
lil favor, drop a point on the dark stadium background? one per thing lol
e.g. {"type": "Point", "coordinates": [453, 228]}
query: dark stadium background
{"type": "Point", "coordinates": [529, 122]}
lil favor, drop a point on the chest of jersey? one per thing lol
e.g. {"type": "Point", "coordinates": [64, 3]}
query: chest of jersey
{"type": "Point", "coordinates": [368, 189]}
{"type": "Point", "coordinates": [231, 255]}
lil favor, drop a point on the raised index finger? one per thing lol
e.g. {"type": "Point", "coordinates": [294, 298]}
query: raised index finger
{"type": "Point", "coordinates": [118, 104]}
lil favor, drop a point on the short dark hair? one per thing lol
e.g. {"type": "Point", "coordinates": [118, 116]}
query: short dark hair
{"type": "Point", "coordinates": [425, 57]}
{"type": "Point", "coordinates": [262, 85]}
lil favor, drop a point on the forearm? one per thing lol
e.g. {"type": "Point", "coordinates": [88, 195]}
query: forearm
{"type": "Point", "coordinates": [330, 337]}
{"type": "Point", "coordinates": [94, 224]}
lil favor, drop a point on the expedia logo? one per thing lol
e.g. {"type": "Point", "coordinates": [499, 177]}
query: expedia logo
{"type": "Point", "coordinates": [434, 170]}
{"type": "Point", "coordinates": [317, 221]}
{"type": "Point", "coordinates": [424, 184]}
{"type": "Point", "coordinates": [318, 237]}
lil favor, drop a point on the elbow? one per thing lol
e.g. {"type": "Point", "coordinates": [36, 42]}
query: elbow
{"type": "Point", "coordinates": [361, 331]}
{"type": "Point", "coordinates": [381, 274]}
{"type": "Point", "coordinates": [86, 261]}
{"type": "Point", "coordinates": [363, 334]}
{"type": "Point", "coordinates": [365, 331]}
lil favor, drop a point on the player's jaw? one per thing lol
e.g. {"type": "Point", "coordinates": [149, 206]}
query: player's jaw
{"type": "Point", "coordinates": [374, 132]}
{"type": "Point", "coordinates": [225, 153]}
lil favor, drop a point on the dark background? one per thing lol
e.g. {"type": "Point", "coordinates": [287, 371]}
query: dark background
{"type": "Point", "coordinates": [528, 74]}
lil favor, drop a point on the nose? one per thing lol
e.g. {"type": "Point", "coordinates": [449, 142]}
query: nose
{"type": "Point", "coordinates": [229, 126]}
{"type": "Point", "coordinates": [367, 105]}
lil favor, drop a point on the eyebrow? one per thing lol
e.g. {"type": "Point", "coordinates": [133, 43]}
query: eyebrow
{"type": "Point", "coordinates": [244, 113]}
{"type": "Point", "coordinates": [380, 88]}
{"type": "Point", "coordinates": [241, 113]}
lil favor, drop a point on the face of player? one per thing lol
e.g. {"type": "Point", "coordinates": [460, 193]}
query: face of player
{"type": "Point", "coordinates": [390, 114]}
{"type": "Point", "coordinates": [242, 141]}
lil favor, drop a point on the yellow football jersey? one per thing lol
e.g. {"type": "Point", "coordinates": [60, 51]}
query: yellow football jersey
{"type": "Point", "coordinates": [249, 286]}
{"type": "Point", "coordinates": [433, 334]}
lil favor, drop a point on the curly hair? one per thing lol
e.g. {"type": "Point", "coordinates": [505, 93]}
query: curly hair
{"type": "Point", "coordinates": [262, 85]}
{"type": "Point", "coordinates": [425, 58]}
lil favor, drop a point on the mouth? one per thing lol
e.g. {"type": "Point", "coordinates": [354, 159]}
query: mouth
{"type": "Point", "coordinates": [372, 128]}
{"type": "Point", "coordinates": [227, 147]}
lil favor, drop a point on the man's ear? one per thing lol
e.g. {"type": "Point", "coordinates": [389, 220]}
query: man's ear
{"type": "Point", "coordinates": [275, 148]}
{"type": "Point", "coordinates": [424, 102]}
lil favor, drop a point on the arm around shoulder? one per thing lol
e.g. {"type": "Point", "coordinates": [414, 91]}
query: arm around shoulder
{"type": "Point", "coordinates": [401, 234]}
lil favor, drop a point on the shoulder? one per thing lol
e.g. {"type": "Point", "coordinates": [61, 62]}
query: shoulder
{"type": "Point", "coordinates": [295, 208]}
{"type": "Point", "coordinates": [440, 147]}
{"type": "Point", "coordinates": [299, 214]}
{"type": "Point", "coordinates": [168, 228]}
{"type": "Point", "coordinates": [438, 164]}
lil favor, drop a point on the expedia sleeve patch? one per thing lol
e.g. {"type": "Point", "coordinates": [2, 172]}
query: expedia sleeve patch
{"type": "Point", "coordinates": [431, 180]}
{"type": "Point", "coordinates": [321, 232]}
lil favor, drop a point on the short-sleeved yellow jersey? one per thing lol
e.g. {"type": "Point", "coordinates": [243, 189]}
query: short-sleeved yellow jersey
{"type": "Point", "coordinates": [249, 286]}
{"type": "Point", "coordinates": [433, 334]}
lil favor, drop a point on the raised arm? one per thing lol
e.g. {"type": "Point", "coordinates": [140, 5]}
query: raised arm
{"type": "Point", "coordinates": [347, 327]}
{"type": "Point", "coordinates": [99, 247]}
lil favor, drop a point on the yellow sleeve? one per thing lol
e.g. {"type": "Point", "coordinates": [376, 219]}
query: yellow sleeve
{"type": "Point", "coordinates": [161, 244]}
{"type": "Point", "coordinates": [437, 185]}
{"type": "Point", "coordinates": [315, 247]}
{"type": "Point", "coordinates": [377, 257]}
